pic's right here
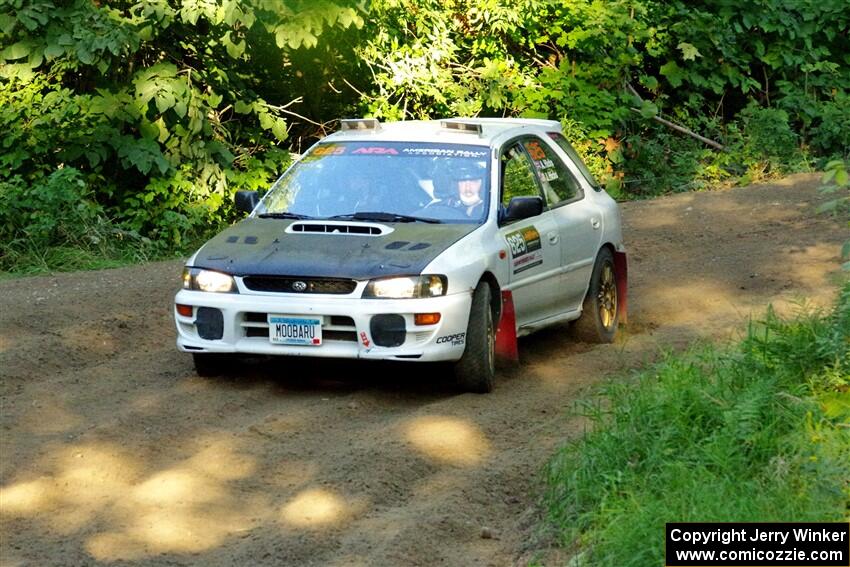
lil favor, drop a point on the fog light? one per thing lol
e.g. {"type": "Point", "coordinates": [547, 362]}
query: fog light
{"type": "Point", "coordinates": [184, 310]}
{"type": "Point", "coordinates": [426, 318]}
{"type": "Point", "coordinates": [210, 323]}
{"type": "Point", "coordinates": [387, 330]}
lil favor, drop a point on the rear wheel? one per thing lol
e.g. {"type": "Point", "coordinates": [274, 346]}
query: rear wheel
{"type": "Point", "coordinates": [209, 365]}
{"type": "Point", "coordinates": [476, 370]}
{"type": "Point", "coordinates": [600, 310]}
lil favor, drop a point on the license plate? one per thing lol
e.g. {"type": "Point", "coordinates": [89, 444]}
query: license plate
{"type": "Point", "coordinates": [295, 330]}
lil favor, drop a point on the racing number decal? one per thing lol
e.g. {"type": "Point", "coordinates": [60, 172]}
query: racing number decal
{"type": "Point", "coordinates": [526, 250]}
{"type": "Point", "coordinates": [523, 241]}
{"type": "Point", "coordinates": [517, 244]}
{"type": "Point", "coordinates": [328, 150]}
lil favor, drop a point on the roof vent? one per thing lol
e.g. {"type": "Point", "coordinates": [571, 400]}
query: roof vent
{"type": "Point", "coordinates": [349, 124]}
{"type": "Point", "coordinates": [464, 127]}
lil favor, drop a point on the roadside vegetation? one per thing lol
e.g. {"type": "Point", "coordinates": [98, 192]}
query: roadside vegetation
{"type": "Point", "coordinates": [128, 125]}
{"type": "Point", "coordinates": [753, 433]}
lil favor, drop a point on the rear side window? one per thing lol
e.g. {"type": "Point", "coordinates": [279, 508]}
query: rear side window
{"type": "Point", "coordinates": [557, 182]}
{"type": "Point", "coordinates": [568, 149]}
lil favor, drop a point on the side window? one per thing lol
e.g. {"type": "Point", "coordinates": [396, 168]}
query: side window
{"type": "Point", "coordinates": [570, 151]}
{"type": "Point", "coordinates": [558, 183]}
{"type": "Point", "coordinates": [517, 176]}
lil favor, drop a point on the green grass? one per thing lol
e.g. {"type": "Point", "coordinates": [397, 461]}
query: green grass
{"type": "Point", "coordinates": [28, 259]}
{"type": "Point", "coordinates": [759, 432]}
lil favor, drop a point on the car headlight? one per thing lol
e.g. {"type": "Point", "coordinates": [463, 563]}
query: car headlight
{"type": "Point", "coordinates": [407, 287]}
{"type": "Point", "coordinates": [208, 280]}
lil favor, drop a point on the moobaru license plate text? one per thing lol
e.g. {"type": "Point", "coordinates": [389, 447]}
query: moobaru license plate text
{"type": "Point", "coordinates": [295, 330]}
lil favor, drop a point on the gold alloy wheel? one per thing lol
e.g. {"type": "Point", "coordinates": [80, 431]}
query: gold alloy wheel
{"type": "Point", "coordinates": [607, 296]}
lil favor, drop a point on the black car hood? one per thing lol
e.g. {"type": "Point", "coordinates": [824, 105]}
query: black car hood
{"type": "Point", "coordinates": [258, 246]}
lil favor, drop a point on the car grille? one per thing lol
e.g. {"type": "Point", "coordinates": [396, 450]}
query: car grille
{"type": "Point", "coordinates": [284, 284]}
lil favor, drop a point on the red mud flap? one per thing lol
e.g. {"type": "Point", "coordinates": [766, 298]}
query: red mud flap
{"type": "Point", "coordinates": [621, 273]}
{"type": "Point", "coordinates": [506, 341]}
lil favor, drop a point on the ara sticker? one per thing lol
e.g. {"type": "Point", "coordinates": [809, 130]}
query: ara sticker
{"type": "Point", "coordinates": [526, 250]}
{"type": "Point", "coordinates": [376, 150]}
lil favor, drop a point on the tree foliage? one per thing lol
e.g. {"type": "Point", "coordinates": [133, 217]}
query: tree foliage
{"type": "Point", "coordinates": [165, 107]}
{"type": "Point", "coordinates": [156, 101]}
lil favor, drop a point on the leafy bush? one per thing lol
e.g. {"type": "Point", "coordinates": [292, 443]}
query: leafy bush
{"type": "Point", "coordinates": [752, 433]}
{"type": "Point", "coordinates": [155, 103]}
{"type": "Point", "coordinates": [836, 183]}
{"type": "Point", "coordinates": [768, 137]}
{"type": "Point", "coordinates": [55, 223]}
{"type": "Point", "coordinates": [831, 136]}
{"type": "Point", "coordinates": [59, 209]}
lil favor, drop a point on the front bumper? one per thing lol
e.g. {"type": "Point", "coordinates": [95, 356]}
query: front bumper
{"type": "Point", "coordinates": [345, 328]}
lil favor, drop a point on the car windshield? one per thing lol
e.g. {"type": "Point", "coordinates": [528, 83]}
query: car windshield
{"type": "Point", "coordinates": [385, 182]}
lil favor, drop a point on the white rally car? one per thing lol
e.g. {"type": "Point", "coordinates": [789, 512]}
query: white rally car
{"type": "Point", "coordinates": [412, 241]}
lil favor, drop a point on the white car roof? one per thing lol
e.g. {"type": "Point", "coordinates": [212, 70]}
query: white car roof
{"type": "Point", "coordinates": [433, 131]}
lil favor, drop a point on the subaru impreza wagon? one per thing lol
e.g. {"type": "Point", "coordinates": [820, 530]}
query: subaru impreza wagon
{"type": "Point", "coordinates": [412, 241]}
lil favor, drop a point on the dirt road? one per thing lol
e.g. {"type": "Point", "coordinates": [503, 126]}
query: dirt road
{"type": "Point", "coordinates": [112, 450]}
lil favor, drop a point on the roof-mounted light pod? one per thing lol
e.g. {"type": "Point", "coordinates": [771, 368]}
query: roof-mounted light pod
{"type": "Point", "coordinates": [464, 127]}
{"type": "Point", "coordinates": [349, 124]}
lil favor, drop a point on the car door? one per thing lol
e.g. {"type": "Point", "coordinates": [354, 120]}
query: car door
{"type": "Point", "coordinates": [577, 217]}
{"type": "Point", "coordinates": [534, 244]}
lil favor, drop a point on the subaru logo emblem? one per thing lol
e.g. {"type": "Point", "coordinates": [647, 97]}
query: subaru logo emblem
{"type": "Point", "coordinates": [299, 286]}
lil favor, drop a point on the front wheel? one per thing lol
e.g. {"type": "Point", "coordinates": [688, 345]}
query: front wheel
{"type": "Point", "coordinates": [600, 310]}
{"type": "Point", "coordinates": [476, 370]}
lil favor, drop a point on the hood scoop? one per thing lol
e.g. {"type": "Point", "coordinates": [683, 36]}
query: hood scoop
{"type": "Point", "coordinates": [337, 227]}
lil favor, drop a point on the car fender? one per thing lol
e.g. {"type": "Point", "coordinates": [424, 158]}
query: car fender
{"type": "Point", "coordinates": [465, 261]}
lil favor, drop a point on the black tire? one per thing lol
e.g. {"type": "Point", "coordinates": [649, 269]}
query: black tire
{"type": "Point", "coordinates": [600, 312]}
{"type": "Point", "coordinates": [476, 370]}
{"type": "Point", "coordinates": [209, 365]}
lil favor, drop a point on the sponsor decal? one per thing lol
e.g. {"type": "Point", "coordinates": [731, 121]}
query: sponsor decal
{"type": "Point", "coordinates": [550, 175]}
{"type": "Point", "coordinates": [545, 166]}
{"type": "Point", "coordinates": [530, 261]}
{"type": "Point", "coordinates": [455, 340]}
{"type": "Point", "coordinates": [534, 150]}
{"type": "Point", "coordinates": [526, 249]}
{"type": "Point", "coordinates": [364, 339]}
{"type": "Point", "coordinates": [376, 150]}
{"type": "Point", "coordinates": [444, 152]}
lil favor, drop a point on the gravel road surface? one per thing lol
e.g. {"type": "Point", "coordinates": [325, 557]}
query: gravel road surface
{"type": "Point", "coordinates": [114, 452]}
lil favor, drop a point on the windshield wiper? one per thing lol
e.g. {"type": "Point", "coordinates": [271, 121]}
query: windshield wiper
{"type": "Point", "coordinates": [284, 215]}
{"type": "Point", "coordinates": [384, 217]}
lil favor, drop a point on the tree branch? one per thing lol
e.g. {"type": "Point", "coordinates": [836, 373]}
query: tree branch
{"type": "Point", "coordinates": [674, 126]}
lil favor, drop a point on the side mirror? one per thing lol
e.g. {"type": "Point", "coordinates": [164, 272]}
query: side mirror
{"type": "Point", "coordinates": [246, 201]}
{"type": "Point", "coordinates": [523, 208]}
